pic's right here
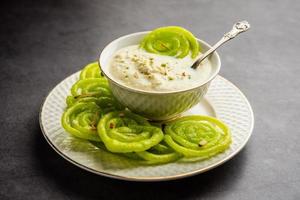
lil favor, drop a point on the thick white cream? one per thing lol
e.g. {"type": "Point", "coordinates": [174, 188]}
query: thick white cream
{"type": "Point", "coordinates": [136, 68]}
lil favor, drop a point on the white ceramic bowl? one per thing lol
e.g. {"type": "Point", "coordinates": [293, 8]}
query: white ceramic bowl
{"type": "Point", "coordinates": [154, 105]}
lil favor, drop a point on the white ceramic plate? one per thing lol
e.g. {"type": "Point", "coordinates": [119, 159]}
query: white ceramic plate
{"type": "Point", "coordinates": [223, 100]}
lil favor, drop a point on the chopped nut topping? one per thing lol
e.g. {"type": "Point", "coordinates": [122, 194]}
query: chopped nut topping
{"type": "Point", "coordinates": [134, 60]}
{"type": "Point", "coordinates": [150, 76]}
{"type": "Point", "coordinates": [94, 121]}
{"type": "Point", "coordinates": [111, 125]}
{"type": "Point", "coordinates": [135, 75]}
{"type": "Point", "coordinates": [202, 142]}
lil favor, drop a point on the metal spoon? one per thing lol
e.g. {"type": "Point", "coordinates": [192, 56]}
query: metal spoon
{"type": "Point", "coordinates": [238, 28]}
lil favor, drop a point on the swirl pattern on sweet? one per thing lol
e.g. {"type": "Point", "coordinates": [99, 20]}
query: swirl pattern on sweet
{"type": "Point", "coordinates": [93, 90]}
{"type": "Point", "coordinates": [124, 132]}
{"type": "Point", "coordinates": [198, 136]}
{"type": "Point", "coordinates": [91, 70]}
{"type": "Point", "coordinates": [81, 120]}
{"type": "Point", "coordinates": [171, 41]}
{"type": "Point", "coordinates": [90, 86]}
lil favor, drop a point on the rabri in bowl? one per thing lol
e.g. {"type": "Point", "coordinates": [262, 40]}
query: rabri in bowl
{"type": "Point", "coordinates": [158, 94]}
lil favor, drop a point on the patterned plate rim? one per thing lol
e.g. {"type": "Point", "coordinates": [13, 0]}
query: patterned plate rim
{"type": "Point", "coordinates": [156, 178]}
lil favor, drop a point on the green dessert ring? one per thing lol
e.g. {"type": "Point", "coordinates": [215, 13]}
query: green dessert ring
{"type": "Point", "coordinates": [197, 136]}
{"type": "Point", "coordinates": [171, 41]}
{"type": "Point", "coordinates": [81, 120]}
{"type": "Point", "coordinates": [91, 70]}
{"type": "Point", "coordinates": [124, 132]}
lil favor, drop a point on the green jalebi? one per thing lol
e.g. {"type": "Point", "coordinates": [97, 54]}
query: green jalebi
{"type": "Point", "coordinates": [197, 136]}
{"type": "Point", "coordinates": [171, 41]}
{"type": "Point", "coordinates": [123, 132]}
{"type": "Point", "coordinates": [93, 90]}
{"type": "Point", "coordinates": [81, 120]}
{"type": "Point", "coordinates": [90, 86]}
{"type": "Point", "coordinates": [91, 70]}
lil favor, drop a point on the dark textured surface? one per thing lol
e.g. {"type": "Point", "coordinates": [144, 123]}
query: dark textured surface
{"type": "Point", "coordinates": [42, 42]}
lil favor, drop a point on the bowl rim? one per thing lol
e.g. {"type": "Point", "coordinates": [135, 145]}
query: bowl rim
{"type": "Point", "coordinates": [136, 90]}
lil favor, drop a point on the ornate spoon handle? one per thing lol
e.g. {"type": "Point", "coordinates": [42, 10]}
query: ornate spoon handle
{"type": "Point", "coordinates": [238, 28]}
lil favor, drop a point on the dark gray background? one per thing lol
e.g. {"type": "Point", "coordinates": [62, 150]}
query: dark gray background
{"type": "Point", "coordinates": [42, 42]}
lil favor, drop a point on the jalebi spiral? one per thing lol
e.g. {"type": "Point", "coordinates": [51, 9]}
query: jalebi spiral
{"type": "Point", "coordinates": [197, 136]}
{"type": "Point", "coordinates": [81, 120]}
{"type": "Point", "coordinates": [91, 70]}
{"type": "Point", "coordinates": [171, 41]}
{"type": "Point", "coordinates": [93, 90]}
{"type": "Point", "coordinates": [124, 132]}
